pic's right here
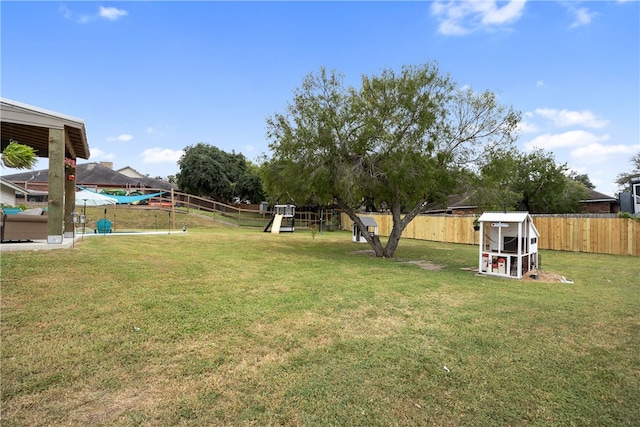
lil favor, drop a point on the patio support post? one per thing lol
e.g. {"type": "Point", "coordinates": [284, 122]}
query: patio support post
{"type": "Point", "coordinates": [56, 185]}
{"type": "Point", "coordinates": [69, 201]}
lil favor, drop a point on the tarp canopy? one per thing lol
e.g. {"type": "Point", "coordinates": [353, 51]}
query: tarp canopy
{"type": "Point", "coordinates": [91, 198]}
{"type": "Point", "coordinates": [124, 200]}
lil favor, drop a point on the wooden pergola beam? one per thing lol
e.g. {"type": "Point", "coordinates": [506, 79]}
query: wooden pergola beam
{"type": "Point", "coordinates": [54, 136]}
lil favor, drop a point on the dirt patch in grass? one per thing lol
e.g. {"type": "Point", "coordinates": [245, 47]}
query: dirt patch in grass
{"type": "Point", "coordinates": [545, 276]}
{"type": "Point", "coordinates": [426, 265]}
{"type": "Point", "coordinates": [369, 252]}
{"type": "Point", "coordinates": [535, 276]}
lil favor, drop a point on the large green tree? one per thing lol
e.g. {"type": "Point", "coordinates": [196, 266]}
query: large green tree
{"type": "Point", "coordinates": [495, 185]}
{"type": "Point", "coordinates": [249, 185]}
{"type": "Point", "coordinates": [206, 170]}
{"type": "Point", "coordinates": [624, 178]}
{"type": "Point", "coordinates": [397, 142]}
{"type": "Point", "coordinates": [545, 185]}
{"type": "Point", "coordinates": [582, 178]}
{"type": "Point", "coordinates": [533, 182]}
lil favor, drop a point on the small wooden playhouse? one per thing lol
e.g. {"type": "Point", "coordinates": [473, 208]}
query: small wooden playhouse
{"type": "Point", "coordinates": [371, 228]}
{"type": "Point", "coordinates": [508, 244]}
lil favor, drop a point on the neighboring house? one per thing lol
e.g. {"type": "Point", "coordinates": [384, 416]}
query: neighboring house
{"type": "Point", "coordinates": [95, 176]}
{"type": "Point", "coordinates": [134, 174]}
{"type": "Point", "coordinates": [130, 172]}
{"type": "Point", "coordinates": [596, 203]}
{"type": "Point", "coordinates": [454, 205]}
{"type": "Point", "coordinates": [8, 192]}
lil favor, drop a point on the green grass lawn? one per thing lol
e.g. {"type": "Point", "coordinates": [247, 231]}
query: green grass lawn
{"type": "Point", "coordinates": [223, 326]}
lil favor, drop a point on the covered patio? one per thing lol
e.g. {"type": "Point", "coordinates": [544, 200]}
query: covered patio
{"type": "Point", "coordinates": [58, 137]}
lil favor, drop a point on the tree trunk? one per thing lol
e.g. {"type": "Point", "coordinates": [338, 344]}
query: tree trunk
{"type": "Point", "coordinates": [374, 241]}
{"type": "Point", "coordinates": [396, 231]}
{"type": "Point", "coordinates": [399, 224]}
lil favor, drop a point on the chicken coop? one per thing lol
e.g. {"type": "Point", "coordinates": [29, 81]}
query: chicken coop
{"type": "Point", "coordinates": [508, 244]}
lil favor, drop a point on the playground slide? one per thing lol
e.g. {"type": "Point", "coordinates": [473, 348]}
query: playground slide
{"type": "Point", "coordinates": [277, 220]}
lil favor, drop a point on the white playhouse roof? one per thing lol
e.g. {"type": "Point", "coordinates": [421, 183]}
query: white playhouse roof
{"type": "Point", "coordinates": [517, 217]}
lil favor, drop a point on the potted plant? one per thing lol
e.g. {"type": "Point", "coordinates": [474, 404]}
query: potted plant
{"type": "Point", "coordinates": [18, 156]}
{"type": "Point", "coordinates": [476, 224]}
{"type": "Point", "coordinates": [70, 166]}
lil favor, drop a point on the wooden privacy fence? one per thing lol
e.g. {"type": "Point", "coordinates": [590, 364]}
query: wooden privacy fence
{"type": "Point", "coordinates": [600, 235]}
{"type": "Point", "coordinates": [577, 233]}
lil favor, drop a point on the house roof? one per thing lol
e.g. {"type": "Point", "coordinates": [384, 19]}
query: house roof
{"type": "Point", "coordinates": [457, 201]}
{"type": "Point", "coordinates": [595, 196]}
{"type": "Point", "coordinates": [130, 172]}
{"type": "Point", "coordinates": [95, 174]}
{"type": "Point", "coordinates": [12, 186]}
{"type": "Point", "coordinates": [30, 126]}
{"type": "Point", "coordinates": [453, 201]}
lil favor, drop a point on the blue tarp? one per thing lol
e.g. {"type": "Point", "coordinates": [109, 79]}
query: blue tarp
{"type": "Point", "coordinates": [125, 200]}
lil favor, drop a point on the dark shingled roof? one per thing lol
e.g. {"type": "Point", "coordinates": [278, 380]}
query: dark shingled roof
{"type": "Point", "coordinates": [595, 196]}
{"type": "Point", "coordinates": [454, 201]}
{"type": "Point", "coordinates": [93, 174]}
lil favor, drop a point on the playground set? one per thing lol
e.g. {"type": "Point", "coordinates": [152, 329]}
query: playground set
{"type": "Point", "coordinates": [283, 219]}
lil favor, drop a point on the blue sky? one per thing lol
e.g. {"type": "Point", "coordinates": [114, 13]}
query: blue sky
{"type": "Point", "coordinates": [151, 78]}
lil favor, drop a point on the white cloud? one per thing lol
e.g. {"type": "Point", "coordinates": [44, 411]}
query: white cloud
{"type": "Point", "coordinates": [449, 28]}
{"type": "Point", "coordinates": [156, 131]}
{"type": "Point", "coordinates": [596, 152]}
{"type": "Point", "coordinates": [98, 154]}
{"type": "Point", "coordinates": [122, 138]}
{"type": "Point", "coordinates": [463, 17]}
{"type": "Point", "coordinates": [582, 16]}
{"type": "Point", "coordinates": [527, 127]}
{"type": "Point", "coordinates": [566, 118]}
{"type": "Point", "coordinates": [161, 155]}
{"type": "Point", "coordinates": [66, 12]}
{"type": "Point", "coordinates": [249, 148]}
{"type": "Point", "coordinates": [112, 13]}
{"type": "Point", "coordinates": [573, 138]}
{"type": "Point", "coordinates": [540, 83]}
{"type": "Point", "coordinates": [494, 15]}
{"type": "Point", "coordinates": [109, 13]}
